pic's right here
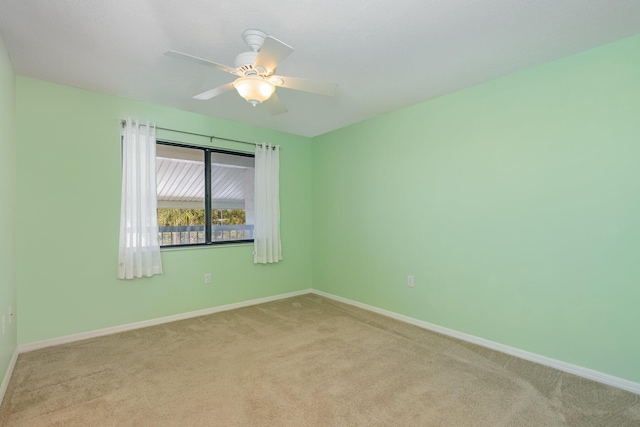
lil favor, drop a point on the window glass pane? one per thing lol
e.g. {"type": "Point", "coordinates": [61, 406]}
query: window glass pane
{"type": "Point", "coordinates": [180, 180]}
{"type": "Point", "coordinates": [232, 212]}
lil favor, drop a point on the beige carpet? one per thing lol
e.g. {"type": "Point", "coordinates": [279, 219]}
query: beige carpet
{"type": "Point", "coordinates": [304, 361]}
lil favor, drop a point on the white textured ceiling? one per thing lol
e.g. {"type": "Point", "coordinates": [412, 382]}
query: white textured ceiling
{"type": "Point", "coordinates": [383, 54]}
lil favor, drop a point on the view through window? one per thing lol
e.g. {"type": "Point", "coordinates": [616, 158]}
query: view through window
{"type": "Point", "coordinates": [205, 196]}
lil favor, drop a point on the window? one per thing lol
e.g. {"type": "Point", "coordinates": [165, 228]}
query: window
{"type": "Point", "coordinates": [205, 195]}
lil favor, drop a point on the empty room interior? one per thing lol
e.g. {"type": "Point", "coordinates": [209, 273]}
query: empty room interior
{"type": "Point", "coordinates": [455, 237]}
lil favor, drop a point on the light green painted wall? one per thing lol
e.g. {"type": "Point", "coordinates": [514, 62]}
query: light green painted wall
{"type": "Point", "coordinates": [515, 203]}
{"type": "Point", "coordinates": [69, 204]}
{"type": "Point", "coordinates": [8, 340]}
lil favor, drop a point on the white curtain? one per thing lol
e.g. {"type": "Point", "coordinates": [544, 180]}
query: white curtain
{"type": "Point", "coordinates": [139, 249]}
{"type": "Point", "coordinates": [266, 235]}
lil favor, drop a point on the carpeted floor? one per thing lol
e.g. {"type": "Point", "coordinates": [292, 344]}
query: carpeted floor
{"type": "Point", "coordinates": [303, 361]}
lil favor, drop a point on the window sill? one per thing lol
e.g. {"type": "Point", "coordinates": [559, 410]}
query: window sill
{"type": "Point", "coordinates": [203, 246]}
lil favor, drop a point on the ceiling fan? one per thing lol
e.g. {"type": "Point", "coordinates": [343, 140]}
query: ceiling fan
{"type": "Point", "coordinates": [255, 69]}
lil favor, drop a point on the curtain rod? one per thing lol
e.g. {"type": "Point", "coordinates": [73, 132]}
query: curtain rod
{"type": "Point", "coordinates": [211, 137]}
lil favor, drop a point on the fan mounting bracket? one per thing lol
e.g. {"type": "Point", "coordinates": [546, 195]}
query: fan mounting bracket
{"type": "Point", "coordinates": [254, 38]}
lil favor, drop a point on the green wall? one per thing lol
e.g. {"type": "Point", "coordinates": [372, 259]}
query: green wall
{"type": "Point", "coordinates": [515, 204]}
{"type": "Point", "coordinates": [68, 175]}
{"type": "Point", "coordinates": [8, 340]}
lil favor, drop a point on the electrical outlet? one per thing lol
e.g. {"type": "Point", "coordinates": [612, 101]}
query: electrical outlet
{"type": "Point", "coordinates": [410, 281]}
{"type": "Point", "coordinates": [207, 278]}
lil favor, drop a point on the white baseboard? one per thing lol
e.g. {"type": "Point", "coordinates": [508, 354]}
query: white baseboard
{"type": "Point", "coordinates": [7, 375]}
{"type": "Point", "coordinates": [580, 371]}
{"type": "Point", "coordinates": [23, 348]}
{"type": "Point", "coordinates": [533, 357]}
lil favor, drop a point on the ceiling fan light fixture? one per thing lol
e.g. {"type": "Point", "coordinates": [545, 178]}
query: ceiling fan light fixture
{"type": "Point", "coordinates": [254, 89]}
{"type": "Point", "coordinates": [256, 81]}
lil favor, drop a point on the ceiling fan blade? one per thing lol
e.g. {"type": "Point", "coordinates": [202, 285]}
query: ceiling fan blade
{"type": "Point", "coordinates": [272, 52]}
{"type": "Point", "coordinates": [314, 86]}
{"type": "Point", "coordinates": [180, 55]}
{"type": "Point", "coordinates": [214, 92]}
{"type": "Point", "coordinates": [275, 106]}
